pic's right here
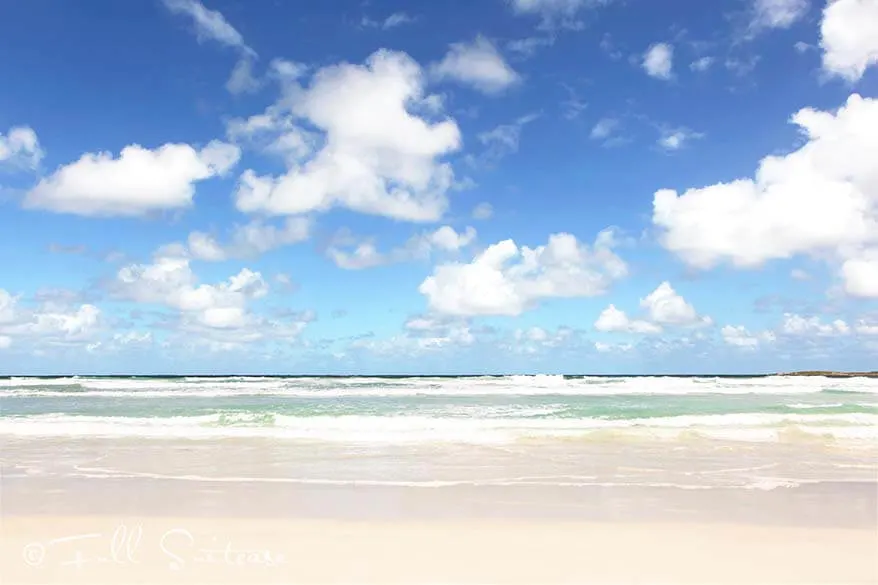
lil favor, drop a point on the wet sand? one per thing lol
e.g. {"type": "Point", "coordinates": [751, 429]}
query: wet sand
{"type": "Point", "coordinates": [151, 511]}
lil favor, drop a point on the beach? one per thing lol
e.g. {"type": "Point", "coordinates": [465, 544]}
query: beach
{"type": "Point", "coordinates": [539, 480]}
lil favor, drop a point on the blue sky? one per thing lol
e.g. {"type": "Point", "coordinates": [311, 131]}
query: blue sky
{"type": "Point", "coordinates": [615, 186]}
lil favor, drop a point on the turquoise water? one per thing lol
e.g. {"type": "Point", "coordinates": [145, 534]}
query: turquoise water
{"type": "Point", "coordinates": [469, 409]}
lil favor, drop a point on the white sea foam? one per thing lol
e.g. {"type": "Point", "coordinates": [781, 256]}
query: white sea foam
{"type": "Point", "coordinates": [477, 386]}
{"type": "Point", "coordinates": [416, 429]}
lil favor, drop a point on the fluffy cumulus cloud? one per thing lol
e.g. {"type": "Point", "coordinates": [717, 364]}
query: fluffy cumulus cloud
{"type": "Point", "coordinates": [478, 64]}
{"type": "Point", "coordinates": [658, 61]}
{"type": "Point", "coordinates": [740, 336]}
{"type": "Point", "coordinates": [860, 274]}
{"type": "Point", "coordinates": [821, 199]}
{"type": "Point", "coordinates": [615, 320]}
{"type": "Point", "coordinates": [507, 280]}
{"type": "Point", "coordinates": [217, 316]}
{"type": "Point", "coordinates": [169, 281]}
{"type": "Point", "coordinates": [663, 307]}
{"type": "Point", "coordinates": [139, 181]}
{"type": "Point", "coordinates": [376, 154]}
{"type": "Point", "coordinates": [350, 253]}
{"type": "Point", "coordinates": [50, 323]}
{"type": "Point", "coordinates": [20, 148]}
{"type": "Point", "coordinates": [849, 37]}
{"type": "Point", "coordinates": [666, 307]}
{"type": "Point", "coordinates": [794, 324]}
{"type": "Point", "coordinates": [274, 132]}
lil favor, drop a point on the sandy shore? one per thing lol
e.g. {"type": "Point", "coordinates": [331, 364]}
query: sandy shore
{"type": "Point", "coordinates": [186, 550]}
{"type": "Point", "coordinates": [154, 511]}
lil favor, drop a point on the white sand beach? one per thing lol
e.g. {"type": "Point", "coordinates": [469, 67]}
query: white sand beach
{"type": "Point", "coordinates": [97, 510]}
{"type": "Point", "coordinates": [238, 550]}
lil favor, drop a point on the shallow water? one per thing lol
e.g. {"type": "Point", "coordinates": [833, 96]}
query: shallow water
{"type": "Point", "coordinates": [471, 410]}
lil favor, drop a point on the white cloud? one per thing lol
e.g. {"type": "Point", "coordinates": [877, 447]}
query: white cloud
{"type": "Point", "coordinates": [376, 156]}
{"type": "Point", "coordinates": [445, 238]}
{"type": "Point", "coordinates": [483, 210]}
{"type": "Point", "coordinates": [421, 334]}
{"type": "Point", "coordinates": [615, 320]}
{"type": "Point", "coordinates": [249, 240]}
{"type": "Point", "coordinates": [51, 323]}
{"type": "Point", "coordinates": [821, 199]}
{"type": "Point", "coordinates": [394, 20]}
{"type": "Point", "coordinates": [366, 255]}
{"type": "Point", "coordinates": [528, 46]}
{"type": "Point", "coordinates": [203, 247]}
{"type": "Point", "coordinates": [273, 132]}
{"type": "Point", "coordinates": [675, 139]}
{"type": "Point", "coordinates": [860, 274]}
{"type": "Point", "coordinates": [504, 139]}
{"type": "Point", "coordinates": [797, 325]}
{"type": "Point", "coordinates": [555, 13]}
{"type": "Point", "coordinates": [397, 19]}
{"type": "Point", "coordinates": [739, 336]}
{"type": "Point", "coordinates": [492, 285]}
{"type": "Point", "coordinates": [478, 64]}
{"type": "Point", "coordinates": [537, 339]}
{"type": "Point", "coordinates": [604, 128]}
{"type": "Point", "coordinates": [849, 37]}
{"type": "Point", "coordinates": [609, 47]}
{"type": "Point", "coordinates": [129, 340]}
{"type": "Point", "coordinates": [209, 24]}
{"type": "Point", "coordinates": [702, 64]}
{"type": "Point", "coordinates": [742, 67]}
{"type": "Point", "coordinates": [611, 347]}
{"type": "Point", "coordinates": [136, 183]}
{"type": "Point", "coordinates": [20, 148]}
{"type": "Point", "coordinates": [434, 331]}
{"type": "Point", "coordinates": [573, 106]}
{"type": "Point", "coordinates": [663, 307]}
{"type": "Point", "coordinates": [768, 14]}
{"type": "Point", "coordinates": [803, 47]}
{"type": "Point", "coordinates": [658, 61]}
{"type": "Point", "coordinates": [863, 327]}
{"type": "Point", "coordinates": [242, 79]}
{"type": "Point", "coordinates": [8, 307]}
{"type": "Point", "coordinates": [169, 281]}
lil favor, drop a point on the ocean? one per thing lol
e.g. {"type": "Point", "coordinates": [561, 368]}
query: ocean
{"type": "Point", "coordinates": [464, 410]}
{"type": "Point", "coordinates": [518, 433]}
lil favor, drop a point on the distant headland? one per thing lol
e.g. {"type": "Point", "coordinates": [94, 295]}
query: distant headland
{"type": "Point", "coordinates": [829, 374]}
